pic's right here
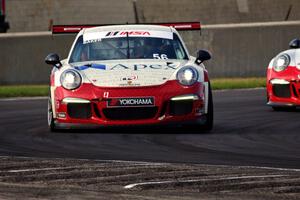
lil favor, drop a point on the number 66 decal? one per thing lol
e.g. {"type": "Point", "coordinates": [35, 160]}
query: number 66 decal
{"type": "Point", "coordinates": [161, 56]}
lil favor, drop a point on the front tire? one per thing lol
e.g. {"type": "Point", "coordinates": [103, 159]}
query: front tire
{"type": "Point", "coordinates": [51, 122]}
{"type": "Point", "coordinates": [277, 108]}
{"type": "Point", "coordinates": [209, 121]}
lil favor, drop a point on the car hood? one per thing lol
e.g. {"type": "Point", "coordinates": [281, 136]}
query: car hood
{"type": "Point", "coordinates": [129, 73]}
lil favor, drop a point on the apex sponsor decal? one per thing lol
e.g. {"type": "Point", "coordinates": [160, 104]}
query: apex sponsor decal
{"type": "Point", "coordinates": [131, 102]}
{"type": "Point", "coordinates": [138, 67]}
{"type": "Point", "coordinates": [135, 67]}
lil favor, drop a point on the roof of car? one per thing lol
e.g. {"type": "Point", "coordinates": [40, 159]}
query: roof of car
{"type": "Point", "coordinates": [127, 28]}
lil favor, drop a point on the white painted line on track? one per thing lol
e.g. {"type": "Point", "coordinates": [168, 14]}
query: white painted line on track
{"type": "Point", "coordinates": [92, 160]}
{"type": "Point", "coordinates": [40, 169]}
{"type": "Point", "coordinates": [130, 186]}
{"type": "Point", "coordinates": [155, 163]}
{"type": "Point", "coordinates": [255, 167]}
{"type": "Point", "coordinates": [73, 167]}
{"type": "Point", "coordinates": [271, 168]}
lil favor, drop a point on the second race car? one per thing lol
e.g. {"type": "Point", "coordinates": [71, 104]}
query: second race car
{"type": "Point", "coordinates": [283, 78]}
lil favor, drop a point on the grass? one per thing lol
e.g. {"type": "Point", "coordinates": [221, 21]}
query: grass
{"type": "Point", "coordinates": [237, 83]}
{"type": "Point", "coordinates": [23, 90]}
{"type": "Point", "coordinates": [217, 84]}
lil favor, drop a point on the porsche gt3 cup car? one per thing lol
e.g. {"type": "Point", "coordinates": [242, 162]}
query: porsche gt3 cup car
{"type": "Point", "coordinates": [128, 75]}
{"type": "Point", "coordinates": [283, 78]}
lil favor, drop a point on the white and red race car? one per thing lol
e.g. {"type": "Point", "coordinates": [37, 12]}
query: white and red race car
{"type": "Point", "coordinates": [129, 75]}
{"type": "Point", "coordinates": [283, 78]}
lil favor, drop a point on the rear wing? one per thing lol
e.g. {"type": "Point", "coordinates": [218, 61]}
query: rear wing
{"type": "Point", "coordinates": [70, 29]}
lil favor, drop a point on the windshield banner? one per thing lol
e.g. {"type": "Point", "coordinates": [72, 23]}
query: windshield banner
{"type": "Point", "coordinates": [98, 36]}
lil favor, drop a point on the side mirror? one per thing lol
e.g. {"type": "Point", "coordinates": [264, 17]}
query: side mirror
{"type": "Point", "coordinates": [53, 59]}
{"type": "Point", "coordinates": [294, 44]}
{"type": "Point", "coordinates": [202, 56]}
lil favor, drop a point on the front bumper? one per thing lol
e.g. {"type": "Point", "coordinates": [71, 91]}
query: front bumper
{"type": "Point", "coordinates": [283, 88]}
{"type": "Point", "coordinates": [89, 105]}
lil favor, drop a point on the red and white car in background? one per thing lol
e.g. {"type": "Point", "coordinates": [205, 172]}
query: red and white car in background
{"type": "Point", "coordinates": [283, 78]}
{"type": "Point", "coordinates": [129, 75]}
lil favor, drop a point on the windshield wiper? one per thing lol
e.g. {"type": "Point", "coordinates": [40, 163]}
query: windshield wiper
{"type": "Point", "coordinates": [128, 50]}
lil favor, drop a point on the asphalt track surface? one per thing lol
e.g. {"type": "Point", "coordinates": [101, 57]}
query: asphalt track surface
{"type": "Point", "coordinates": [246, 133]}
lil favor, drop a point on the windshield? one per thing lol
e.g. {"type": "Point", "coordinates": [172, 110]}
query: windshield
{"type": "Point", "coordinates": [128, 48]}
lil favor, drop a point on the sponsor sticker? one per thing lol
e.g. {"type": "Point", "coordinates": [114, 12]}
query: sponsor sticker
{"type": "Point", "coordinates": [93, 37]}
{"type": "Point", "coordinates": [130, 33]}
{"type": "Point", "coordinates": [131, 102]}
{"type": "Point", "coordinates": [98, 36]}
{"type": "Point", "coordinates": [129, 78]}
{"type": "Point", "coordinates": [140, 67]}
{"type": "Point", "coordinates": [93, 66]}
{"type": "Point", "coordinates": [129, 83]}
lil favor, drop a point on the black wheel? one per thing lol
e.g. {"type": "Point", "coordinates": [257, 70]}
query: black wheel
{"type": "Point", "coordinates": [278, 108]}
{"type": "Point", "coordinates": [51, 123]}
{"type": "Point", "coordinates": [209, 117]}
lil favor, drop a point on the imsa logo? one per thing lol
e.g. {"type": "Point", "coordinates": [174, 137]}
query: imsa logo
{"type": "Point", "coordinates": [124, 33]}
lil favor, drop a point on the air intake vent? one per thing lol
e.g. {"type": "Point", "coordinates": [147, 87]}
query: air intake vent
{"type": "Point", "coordinates": [282, 90]}
{"type": "Point", "coordinates": [130, 113]}
{"type": "Point", "coordinates": [79, 110]}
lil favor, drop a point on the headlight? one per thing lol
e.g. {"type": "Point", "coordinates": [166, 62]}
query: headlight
{"type": "Point", "coordinates": [281, 62]}
{"type": "Point", "coordinates": [70, 79]}
{"type": "Point", "coordinates": [187, 75]}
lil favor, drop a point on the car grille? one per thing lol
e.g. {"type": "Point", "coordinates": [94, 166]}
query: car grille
{"type": "Point", "coordinates": [294, 88]}
{"type": "Point", "coordinates": [282, 90]}
{"type": "Point", "coordinates": [133, 113]}
{"type": "Point", "coordinates": [79, 110]}
{"type": "Point", "coordinates": [181, 107]}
